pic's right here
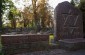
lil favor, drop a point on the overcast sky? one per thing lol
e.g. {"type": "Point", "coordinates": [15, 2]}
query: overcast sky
{"type": "Point", "coordinates": [53, 3]}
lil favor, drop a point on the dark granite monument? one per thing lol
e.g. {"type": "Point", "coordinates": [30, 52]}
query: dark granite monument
{"type": "Point", "coordinates": [68, 26]}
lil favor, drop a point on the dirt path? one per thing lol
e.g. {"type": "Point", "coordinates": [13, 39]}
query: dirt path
{"type": "Point", "coordinates": [56, 52]}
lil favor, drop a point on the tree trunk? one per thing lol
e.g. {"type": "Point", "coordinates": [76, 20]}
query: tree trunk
{"type": "Point", "coordinates": [25, 25]}
{"type": "Point", "coordinates": [13, 23]}
{"type": "Point", "coordinates": [0, 16]}
{"type": "Point", "coordinates": [35, 15]}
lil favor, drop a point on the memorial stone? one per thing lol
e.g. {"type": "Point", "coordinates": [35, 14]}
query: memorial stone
{"type": "Point", "coordinates": [68, 21]}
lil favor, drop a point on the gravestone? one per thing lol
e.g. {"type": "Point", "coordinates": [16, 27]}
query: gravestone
{"type": "Point", "coordinates": [68, 26]}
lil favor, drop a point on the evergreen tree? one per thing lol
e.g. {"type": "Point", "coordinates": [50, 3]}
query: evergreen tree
{"type": "Point", "coordinates": [82, 8]}
{"type": "Point", "coordinates": [72, 2]}
{"type": "Point", "coordinates": [0, 16]}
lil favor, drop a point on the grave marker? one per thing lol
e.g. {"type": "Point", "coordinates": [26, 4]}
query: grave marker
{"type": "Point", "coordinates": [69, 24]}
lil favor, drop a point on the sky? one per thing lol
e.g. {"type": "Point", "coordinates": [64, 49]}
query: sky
{"type": "Point", "coordinates": [54, 3]}
{"type": "Point", "coordinates": [20, 5]}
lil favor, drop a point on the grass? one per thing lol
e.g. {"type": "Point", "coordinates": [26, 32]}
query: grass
{"type": "Point", "coordinates": [51, 39]}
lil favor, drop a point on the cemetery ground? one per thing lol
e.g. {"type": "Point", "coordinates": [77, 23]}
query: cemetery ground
{"type": "Point", "coordinates": [68, 36]}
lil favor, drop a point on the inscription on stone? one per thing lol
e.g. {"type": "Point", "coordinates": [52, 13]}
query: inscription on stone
{"type": "Point", "coordinates": [69, 22]}
{"type": "Point", "coordinates": [66, 17]}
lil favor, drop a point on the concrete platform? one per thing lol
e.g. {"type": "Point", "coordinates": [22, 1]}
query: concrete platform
{"type": "Point", "coordinates": [72, 44]}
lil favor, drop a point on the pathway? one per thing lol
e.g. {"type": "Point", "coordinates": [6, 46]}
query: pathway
{"type": "Point", "coordinates": [56, 52]}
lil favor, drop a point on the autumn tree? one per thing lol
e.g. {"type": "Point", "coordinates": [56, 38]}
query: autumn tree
{"type": "Point", "coordinates": [44, 13]}
{"type": "Point", "coordinates": [38, 14]}
{"type": "Point", "coordinates": [28, 16]}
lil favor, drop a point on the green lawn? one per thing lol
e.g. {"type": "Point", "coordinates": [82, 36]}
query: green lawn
{"type": "Point", "coordinates": [51, 38]}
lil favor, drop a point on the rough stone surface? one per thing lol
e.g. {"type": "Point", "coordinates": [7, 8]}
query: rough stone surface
{"type": "Point", "coordinates": [72, 44]}
{"type": "Point", "coordinates": [22, 38]}
{"type": "Point", "coordinates": [68, 21]}
{"type": "Point", "coordinates": [69, 26]}
{"type": "Point", "coordinates": [21, 43]}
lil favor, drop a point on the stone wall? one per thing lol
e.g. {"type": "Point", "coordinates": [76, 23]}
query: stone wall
{"type": "Point", "coordinates": [13, 44]}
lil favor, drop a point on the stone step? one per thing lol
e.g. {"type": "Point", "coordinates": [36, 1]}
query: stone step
{"type": "Point", "coordinates": [72, 44]}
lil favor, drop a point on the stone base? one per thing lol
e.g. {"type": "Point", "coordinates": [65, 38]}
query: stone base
{"type": "Point", "coordinates": [21, 43]}
{"type": "Point", "coordinates": [72, 44]}
{"type": "Point", "coordinates": [24, 48]}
